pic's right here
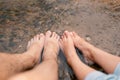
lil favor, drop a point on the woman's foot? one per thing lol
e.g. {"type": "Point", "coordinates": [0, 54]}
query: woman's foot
{"type": "Point", "coordinates": [35, 46]}
{"type": "Point", "coordinates": [84, 46]}
{"type": "Point", "coordinates": [51, 46]}
{"type": "Point", "coordinates": [67, 45]}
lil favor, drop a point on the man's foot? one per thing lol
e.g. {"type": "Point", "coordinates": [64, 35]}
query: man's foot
{"type": "Point", "coordinates": [84, 46]}
{"type": "Point", "coordinates": [51, 46]}
{"type": "Point", "coordinates": [67, 45]}
{"type": "Point", "coordinates": [35, 46]}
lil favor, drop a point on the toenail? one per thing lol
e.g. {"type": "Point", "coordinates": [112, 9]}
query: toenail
{"type": "Point", "coordinates": [49, 31]}
{"type": "Point", "coordinates": [71, 33]}
{"type": "Point", "coordinates": [66, 31]}
{"type": "Point", "coordinates": [41, 34]}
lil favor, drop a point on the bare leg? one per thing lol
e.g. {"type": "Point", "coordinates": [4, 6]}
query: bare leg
{"type": "Point", "coordinates": [104, 59]}
{"type": "Point", "coordinates": [48, 69]}
{"type": "Point", "coordinates": [11, 64]}
{"type": "Point", "coordinates": [81, 70]}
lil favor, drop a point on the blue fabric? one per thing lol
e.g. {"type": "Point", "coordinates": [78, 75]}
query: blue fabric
{"type": "Point", "coordinates": [97, 75]}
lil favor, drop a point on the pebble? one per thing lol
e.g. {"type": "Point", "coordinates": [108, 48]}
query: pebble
{"type": "Point", "coordinates": [20, 46]}
{"type": "Point", "coordinates": [88, 38]}
{"type": "Point", "coordinates": [56, 8]}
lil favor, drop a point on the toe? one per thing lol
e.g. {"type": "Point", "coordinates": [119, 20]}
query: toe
{"type": "Point", "coordinates": [58, 37]}
{"type": "Point", "coordinates": [32, 40]}
{"type": "Point", "coordinates": [48, 33]}
{"type": "Point", "coordinates": [67, 34]}
{"type": "Point", "coordinates": [74, 34]}
{"type": "Point", "coordinates": [64, 38]}
{"type": "Point", "coordinates": [53, 34]}
{"type": "Point", "coordinates": [61, 43]}
{"type": "Point", "coordinates": [37, 37]}
{"type": "Point", "coordinates": [63, 35]}
{"type": "Point", "coordinates": [28, 44]}
{"type": "Point", "coordinates": [41, 35]}
{"type": "Point", "coordinates": [71, 33]}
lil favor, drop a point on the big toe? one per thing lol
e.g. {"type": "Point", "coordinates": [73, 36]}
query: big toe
{"type": "Point", "coordinates": [71, 34]}
{"type": "Point", "coordinates": [66, 34]}
{"type": "Point", "coordinates": [74, 34]}
{"type": "Point", "coordinates": [48, 33]}
{"type": "Point", "coordinates": [41, 36]}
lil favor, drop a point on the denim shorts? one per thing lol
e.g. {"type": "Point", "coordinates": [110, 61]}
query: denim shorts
{"type": "Point", "coordinates": [97, 75]}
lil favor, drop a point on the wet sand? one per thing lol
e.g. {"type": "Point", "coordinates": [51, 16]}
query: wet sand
{"type": "Point", "coordinates": [96, 21]}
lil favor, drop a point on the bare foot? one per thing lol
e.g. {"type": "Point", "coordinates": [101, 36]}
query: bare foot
{"type": "Point", "coordinates": [84, 46]}
{"type": "Point", "coordinates": [51, 46]}
{"type": "Point", "coordinates": [67, 45]}
{"type": "Point", "coordinates": [35, 46]}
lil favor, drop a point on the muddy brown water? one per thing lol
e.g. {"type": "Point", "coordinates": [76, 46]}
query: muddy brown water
{"type": "Point", "coordinates": [97, 21]}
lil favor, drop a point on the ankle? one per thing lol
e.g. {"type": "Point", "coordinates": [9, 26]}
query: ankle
{"type": "Point", "coordinates": [88, 50]}
{"type": "Point", "coordinates": [50, 55]}
{"type": "Point", "coordinates": [93, 51]}
{"type": "Point", "coordinates": [71, 58]}
{"type": "Point", "coordinates": [31, 61]}
{"type": "Point", "coordinates": [51, 59]}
